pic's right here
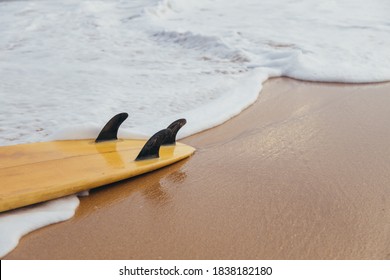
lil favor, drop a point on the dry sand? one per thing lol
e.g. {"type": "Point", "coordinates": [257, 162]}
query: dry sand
{"type": "Point", "coordinates": [304, 173]}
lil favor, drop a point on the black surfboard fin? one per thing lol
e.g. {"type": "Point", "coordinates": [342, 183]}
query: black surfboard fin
{"type": "Point", "coordinates": [152, 146]}
{"type": "Point", "coordinates": [174, 127]}
{"type": "Point", "coordinates": [110, 130]}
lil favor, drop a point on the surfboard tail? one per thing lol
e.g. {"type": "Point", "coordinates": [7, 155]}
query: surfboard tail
{"type": "Point", "coordinates": [151, 148]}
{"type": "Point", "coordinates": [162, 138]}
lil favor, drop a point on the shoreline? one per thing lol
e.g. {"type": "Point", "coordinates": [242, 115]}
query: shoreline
{"type": "Point", "coordinates": [303, 173]}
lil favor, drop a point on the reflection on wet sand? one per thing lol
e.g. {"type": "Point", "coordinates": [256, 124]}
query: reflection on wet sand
{"type": "Point", "coordinates": [154, 191]}
{"type": "Point", "coordinates": [157, 193]}
{"type": "Point", "coordinates": [302, 174]}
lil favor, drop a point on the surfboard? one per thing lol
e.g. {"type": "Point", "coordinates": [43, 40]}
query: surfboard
{"type": "Point", "coordinates": [37, 172]}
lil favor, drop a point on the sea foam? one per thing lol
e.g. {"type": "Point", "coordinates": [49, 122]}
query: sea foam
{"type": "Point", "coordinates": [67, 67]}
{"type": "Point", "coordinates": [14, 224]}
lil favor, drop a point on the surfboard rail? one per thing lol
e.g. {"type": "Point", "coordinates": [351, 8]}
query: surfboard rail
{"type": "Point", "coordinates": [37, 172]}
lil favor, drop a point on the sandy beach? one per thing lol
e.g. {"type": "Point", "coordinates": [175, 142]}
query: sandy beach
{"type": "Point", "coordinates": [304, 173]}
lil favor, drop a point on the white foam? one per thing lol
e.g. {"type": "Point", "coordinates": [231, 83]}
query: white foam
{"type": "Point", "coordinates": [66, 67]}
{"type": "Point", "coordinates": [90, 132]}
{"type": "Point", "coordinates": [15, 224]}
{"type": "Point", "coordinates": [79, 63]}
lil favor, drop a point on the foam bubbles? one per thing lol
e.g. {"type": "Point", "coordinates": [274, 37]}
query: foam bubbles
{"type": "Point", "coordinates": [15, 224]}
{"type": "Point", "coordinates": [66, 67]}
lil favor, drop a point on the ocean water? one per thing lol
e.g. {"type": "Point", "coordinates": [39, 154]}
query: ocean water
{"type": "Point", "coordinates": [66, 67]}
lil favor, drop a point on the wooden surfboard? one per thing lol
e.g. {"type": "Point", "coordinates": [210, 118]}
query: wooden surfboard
{"type": "Point", "coordinates": [37, 172]}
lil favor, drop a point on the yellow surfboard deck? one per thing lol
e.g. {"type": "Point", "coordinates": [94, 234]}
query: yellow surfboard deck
{"type": "Point", "coordinates": [37, 172]}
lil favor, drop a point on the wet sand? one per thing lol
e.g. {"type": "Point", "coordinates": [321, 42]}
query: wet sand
{"type": "Point", "coordinates": [304, 173]}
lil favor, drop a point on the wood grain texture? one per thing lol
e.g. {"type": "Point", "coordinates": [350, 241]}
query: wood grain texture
{"type": "Point", "coordinates": [37, 172]}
